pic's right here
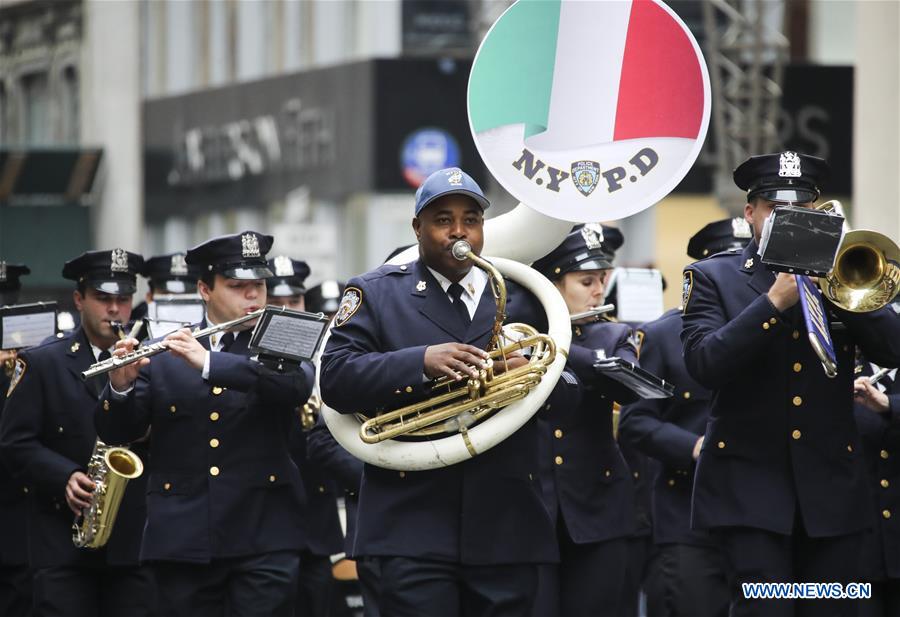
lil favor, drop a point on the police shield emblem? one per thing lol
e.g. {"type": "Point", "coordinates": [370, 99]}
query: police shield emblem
{"type": "Point", "coordinates": [16, 377]}
{"type": "Point", "coordinates": [686, 287]}
{"type": "Point", "coordinates": [350, 303]}
{"type": "Point", "coordinates": [585, 175]}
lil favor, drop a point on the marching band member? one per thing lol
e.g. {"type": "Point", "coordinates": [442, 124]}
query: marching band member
{"type": "Point", "coordinates": [15, 577]}
{"type": "Point", "coordinates": [687, 572]}
{"type": "Point", "coordinates": [586, 483]}
{"type": "Point", "coordinates": [320, 514]}
{"type": "Point", "coordinates": [779, 477]}
{"type": "Point", "coordinates": [464, 539]}
{"type": "Point", "coordinates": [877, 411]}
{"type": "Point", "coordinates": [224, 502]}
{"type": "Point", "coordinates": [47, 436]}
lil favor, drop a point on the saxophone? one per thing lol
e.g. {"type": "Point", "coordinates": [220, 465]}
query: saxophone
{"type": "Point", "coordinates": [110, 468]}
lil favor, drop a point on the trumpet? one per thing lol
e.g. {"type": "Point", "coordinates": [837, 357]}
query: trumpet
{"type": "Point", "coordinates": [159, 347]}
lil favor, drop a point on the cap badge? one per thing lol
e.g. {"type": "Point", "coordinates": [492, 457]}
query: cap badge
{"type": "Point", "coordinates": [740, 228]}
{"type": "Point", "coordinates": [283, 266]}
{"type": "Point", "coordinates": [119, 261]}
{"type": "Point", "coordinates": [2, 271]}
{"type": "Point", "coordinates": [249, 245]}
{"type": "Point", "coordinates": [454, 177]}
{"type": "Point", "coordinates": [178, 266]}
{"type": "Point", "coordinates": [593, 235]}
{"type": "Point", "coordinates": [789, 165]}
{"type": "Point", "coordinates": [420, 286]}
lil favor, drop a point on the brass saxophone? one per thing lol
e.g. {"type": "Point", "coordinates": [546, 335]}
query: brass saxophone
{"type": "Point", "coordinates": [110, 468]}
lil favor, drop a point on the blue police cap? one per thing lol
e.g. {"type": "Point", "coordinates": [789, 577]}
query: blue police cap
{"type": "Point", "coordinates": [112, 272]}
{"type": "Point", "coordinates": [782, 177]}
{"type": "Point", "coordinates": [720, 236]}
{"type": "Point", "coordinates": [450, 181]}
{"type": "Point", "coordinates": [237, 256]}
{"type": "Point", "coordinates": [170, 273]}
{"type": "Point", "coordinates": [9, 275]}
{"type": "Point", "coordinates": [289, 276]}
{"type": "Point", "coordinates": [325, 297]}
{"type": "Point", "coordinates": [591, 246]}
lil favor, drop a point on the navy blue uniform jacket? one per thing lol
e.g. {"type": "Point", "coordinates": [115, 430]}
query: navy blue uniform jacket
{"type": "Point", "coordinates": [781, 434]}
{"type": "Point", "coordinates": [486, 510]}
{"type": "Point", "coordinates": [47, 433]}
{"type": "Point", "coordinates": [13, 506]}
{"type": "Point", "coordinates": [881, 448]}
{"type": "Point", "coordinates": [584, 476]}
{"type": "Point", "coordinates": [667, 429]}
{"type": "Point", "coordinates": [324, 536]}
{"type": "Point", "coordinates": [222, 482]}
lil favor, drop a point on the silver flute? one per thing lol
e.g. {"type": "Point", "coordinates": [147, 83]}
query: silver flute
{"type": "Point", "coordinates": [159, 347]}
{"type": "Point", "coordinates": [598, 310]}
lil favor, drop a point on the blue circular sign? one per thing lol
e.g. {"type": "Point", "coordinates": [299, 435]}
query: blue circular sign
{"type": "Point", "coordinates": [425, 151]}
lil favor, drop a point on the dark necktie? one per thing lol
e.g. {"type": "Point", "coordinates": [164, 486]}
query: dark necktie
{"type": "Point", "coordinates": [97, 383]}
{"type": "Point", "coordinates": [226, 341]}
{"type": "Point", "coordinates": [456, 291]}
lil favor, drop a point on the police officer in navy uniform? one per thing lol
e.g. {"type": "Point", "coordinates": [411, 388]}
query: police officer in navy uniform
{"type": "Point", "coordinates": [687, 575]}
{"type": "Point", "coordinates": [224, 501]}
{"type": "Point", "coordinates": [464, 539]}
{"type": "Point", "coordinates": [587, 485]}
{"type": "Point", "coordinates": [286, 287]}
{"type": "Point", "coordinates": [877, 412]}
{"type": "Point", "coordinates": [780, 477]}
{"type": "Point", "coordinates": [47, 436]}
{"type": "Point", "coordinates": [15, 577]}
{"type": "Point", "coordinates": [323, 527]}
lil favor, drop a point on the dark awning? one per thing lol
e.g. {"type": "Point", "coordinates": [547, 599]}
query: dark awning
{"type": "Point", "coordinates": [47, 176]}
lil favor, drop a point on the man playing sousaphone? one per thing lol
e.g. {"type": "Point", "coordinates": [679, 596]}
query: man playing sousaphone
{"type": "Point", "coordinates": [464, 539]}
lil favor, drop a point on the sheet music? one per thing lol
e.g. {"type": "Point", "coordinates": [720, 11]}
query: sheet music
{"type": "Point", "coordinates": [639, 295]}
{"type": "Point", "coordinates": [27, 330]}
{"type": "Point", "coordinates": [291, 336]}
{"type": "Point", "coordinates": [180, 312]}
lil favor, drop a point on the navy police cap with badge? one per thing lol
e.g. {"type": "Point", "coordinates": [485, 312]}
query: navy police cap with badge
{"type": "Point", "coordinates": [591, 246]}
{"type": "Point", "coordinates": [289, 277]}
{"type": "Point", "coordinates": [170, 273]}
{"type": "Point", "coordinates": [450, 181]}
{"type": "Point", "coordinates": [112, 272]}
{"type": "Point", "coordinates": [720, 236]}
{"type": "Point", "coordinates": [9, 275]}
{"type": "Point", "coordinates": [782, 177]}
{"type": "Point", "coordinates": [238, 256]}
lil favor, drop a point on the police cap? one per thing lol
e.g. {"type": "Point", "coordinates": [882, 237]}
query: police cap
{"type": "Point", "coordinates": [591, 246]}
{"type": "Point", "coordinates": [170, 273]}
{"type": "Point", "coordinates": [782, 177]}
{"type": "Point", "coordinates": [289, 276]}
{"type": "Point", "coordinates": [720, 236]}
{"type": "Point", "coordinates": [9, 275]}
{"type": "Point", "coordinates": [324, 297]}
{"type": "Point", "coordinates": [236, 256]}
{"type": "Point", "coordinates": [112, 272]}
{"type": "Point", "coordinates": [450, 181]}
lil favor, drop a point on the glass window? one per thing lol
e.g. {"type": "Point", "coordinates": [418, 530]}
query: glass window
{"type": "Point", "coordinates": [36, 97]}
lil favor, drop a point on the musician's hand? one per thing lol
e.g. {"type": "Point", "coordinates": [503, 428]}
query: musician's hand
{"type": "Point", "coordinates": [123, 378]}
{"type": "Point", "coordinates": [7, 354]}
{"type": "Point", "coordinates": [784, 293]}
{"type": "Point", "coordinates": [78, 492]}
{"type": "Point", "coordinates": [868, 395]}
{"type": "Point", "coordinates": [183, 344]}
{"type": "Point", "coordinates": [453, 360]}
{"type": "Point", "coordinates": [513, 361]}
{"type": "Point", "coordinates": [697, 446]}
